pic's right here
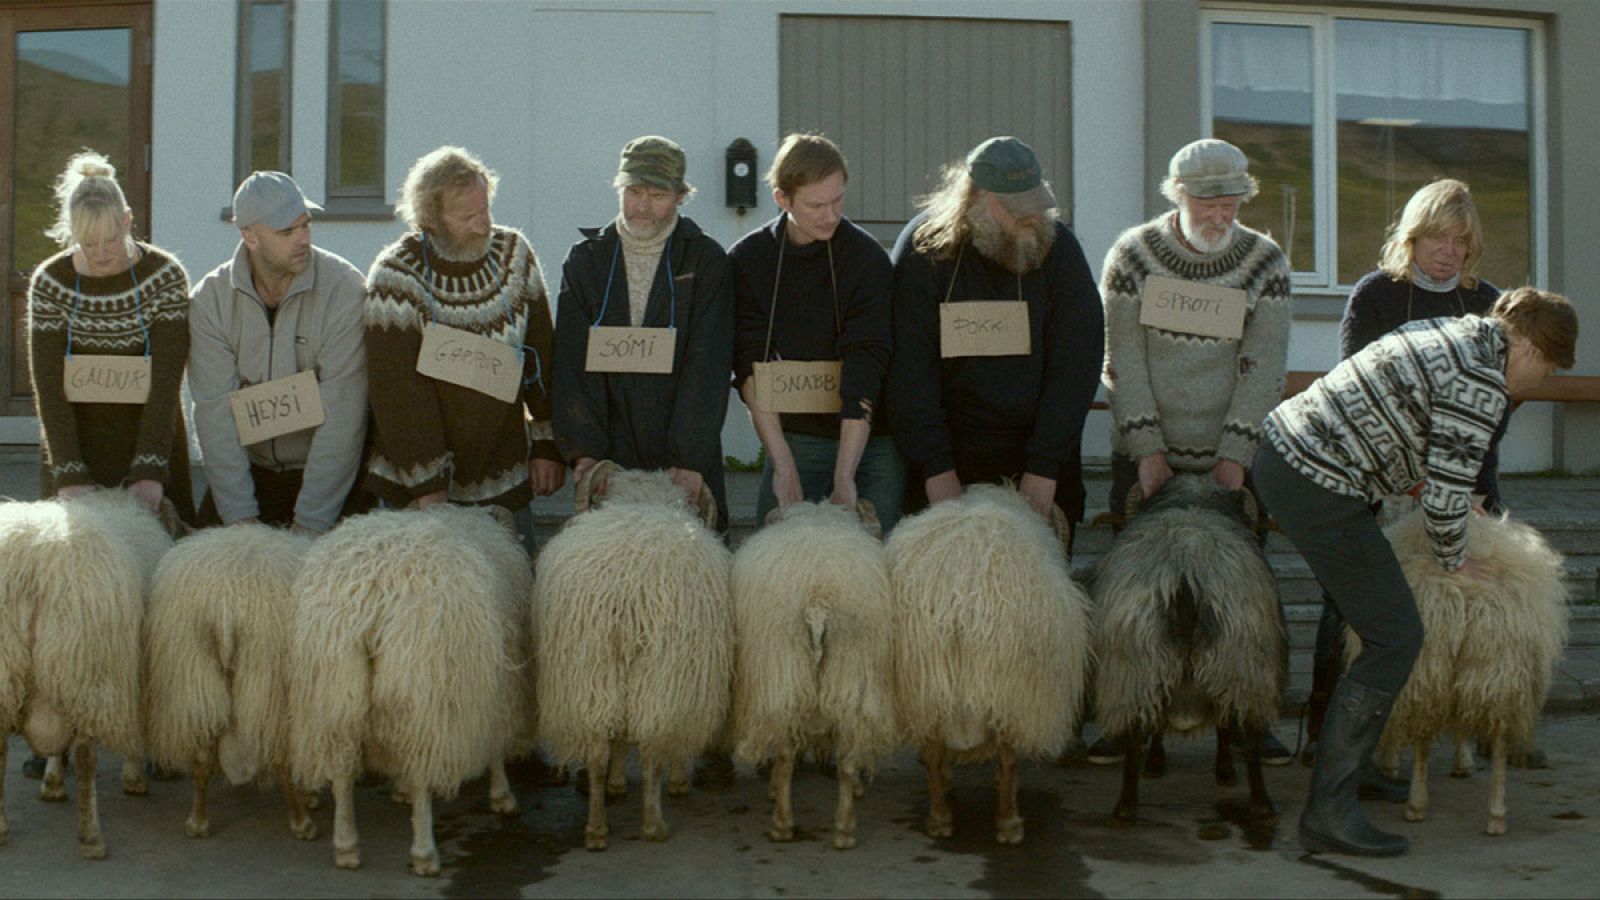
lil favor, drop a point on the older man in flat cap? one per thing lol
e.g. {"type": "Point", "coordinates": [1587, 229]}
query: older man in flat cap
{"type": "Point", "coordinates": [644, 332]}
{"type": "Point", "coordinates": [1197, 330]}
{"type": "Point", "coordinates": [280, 309]}
{"type": "Point", "coordinates": [997, 335]}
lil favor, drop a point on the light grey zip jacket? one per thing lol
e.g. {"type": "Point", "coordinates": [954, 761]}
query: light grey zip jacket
{"type": "Point", "coordinates": [318, 327]}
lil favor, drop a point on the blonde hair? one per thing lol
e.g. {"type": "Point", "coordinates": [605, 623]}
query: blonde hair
{"type": "Point", "coordinates": [946, 226]}
{"type": "Point", "coordinates": [88, 200]}
{"type": "Point", "coordinates": [447, 168]}
{"type": "Point", "coordinates": [1441, 209]}
{"type": "Point", "coordinates": [1546, 319]}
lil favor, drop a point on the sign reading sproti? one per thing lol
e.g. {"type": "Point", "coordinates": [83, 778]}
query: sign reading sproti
{"type": "Point", "coordinates": [797, 386]}
{"type": "Point", "coordinates": [471, 361]}
{"type": "Point", "coordinates": [278, 407]}
{"type": "Point", "coordinates": [984, 328]}
{"type": "Point", "coordinates": [1191, 307]}
{"type": "Point", "coordinates": [92, 378]}
{"type": "Point", "coordinates": [615, 348]}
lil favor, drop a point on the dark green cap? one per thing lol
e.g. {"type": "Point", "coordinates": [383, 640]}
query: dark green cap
{"type": "Point", "coordinates": [1007, 168]}
{"type": "Point", "coordinates": [654, 161]}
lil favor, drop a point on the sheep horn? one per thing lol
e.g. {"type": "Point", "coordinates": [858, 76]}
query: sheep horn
{"type": "Point", "coordinates": [1131, 507]}
{"type": "Point", "coordinates": [175, 527]}
{"type": "Point", "coordinates": [1062, 527]}
{"type": "Point", "coordinates": [592, 484]}
{"type": "Point", "coordinates": [707, 505]}
{"type": "Point", "coordinates": [869, 517]}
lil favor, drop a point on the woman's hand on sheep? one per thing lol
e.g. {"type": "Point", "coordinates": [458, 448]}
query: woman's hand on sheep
{"type": "Point", "coordinates": [1153, 473]}
{"type": "Point", "coordinates": [1229, 474]}
{"type": "Point", "coordinates": [689, 481]}
{"type": "Point", "coordinates": [433, 499]}
{"type": "Point", "coordinates": [1040, 493]}
{"type": "Point", "coordinates": [147, 492]}
{"type": "Point", "coordinates": [943, 486]}
{"type": "Point", "coordinates": [74, 491]}
{"type": "Point", "coordinates": [546, 476]}
{"type": "Point", "coordinates": [1477, 568]}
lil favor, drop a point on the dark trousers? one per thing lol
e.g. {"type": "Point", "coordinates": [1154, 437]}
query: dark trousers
{"type": "Point", "coordinates": [276, 493]}
{"type": "Point", "coordinates": [1340, 540]}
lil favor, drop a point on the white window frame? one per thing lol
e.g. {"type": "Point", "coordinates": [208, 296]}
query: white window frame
{"type": "Point", "coordinates": [1325, 155]}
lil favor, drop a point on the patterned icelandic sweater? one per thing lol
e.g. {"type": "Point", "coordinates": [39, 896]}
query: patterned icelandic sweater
{"type": "Point", "coordinates": [430, 435]}
{"type": "Point", "coordinates": [1196, 399]}
{"type": "Point", "coordinates": [1418, 405]}
{"type": "Point", "coordinates": [105, 443]}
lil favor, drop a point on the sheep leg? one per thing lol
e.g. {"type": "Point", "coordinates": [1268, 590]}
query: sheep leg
{"type": "Point", "coordinates": [616, 770]}
{"type": "Point", "coordinates": [134, 782]}
{"type": "Point", "coordinates": [90, 841]}
{"type": "Point", "coordinates": [1155, 760]}
{"type": "Point", "coordinates": [1261, 808]}
{"type": "Point", "coordinates": [1463, 764]}
{"type": "Point", "coordinates": [1128, 800]}
{"type": "Point", "coordinates": [53, 788]}
{"type": "Point", "coordinates": [1223, 769]}
{"type": "Point", "coordinates": [780, 785]}
{"type": "Point", "coordinates": [300, 824]}
{"type": "Point", "coordinates": [199, 822]}
{"type": "Point", "coordinates": [1417, 803]}
{"type": "Point", "coordinates": [1007, 818]}
{"type": "Point", "coordinates": [844, 819]}
{"type": "Point", "coordinates": [677, 778]}
{"type": "Point", "coordinates": [595, 831]}
{"type": "Point", "coordinates": [501, 800]}
{"type": "Point", "coordinates": [654, 827]}
{"type": "Point", "coordinates": [1497, 787]}
{"type": "Point", "coordinates": [346, 841]}
{"type": "Point", "coordinates": [424, 853]}
{"type": "Point", "coordinates": [3, 827]}
{"type": "Point", "coordinates": [939, 819]}
{"type": "Point", "coordinates": [1388, 762]}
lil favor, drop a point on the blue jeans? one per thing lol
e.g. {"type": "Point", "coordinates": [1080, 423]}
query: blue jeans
{"type": "Point", "coordinates": [880, 477]}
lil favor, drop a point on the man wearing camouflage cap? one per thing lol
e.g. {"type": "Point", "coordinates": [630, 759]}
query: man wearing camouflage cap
{"type": "Point", "coordinates": [1185, 396]}
{"type": "Point", "coordinates": [650, 268]}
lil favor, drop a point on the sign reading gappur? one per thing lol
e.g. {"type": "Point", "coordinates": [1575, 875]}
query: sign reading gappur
{"type": "Point", "coordinates": [275, 408]}
{"type": "Point", "coordinates": [1191, 307]}
{"type": "Point", "coordinates": [471, 361]}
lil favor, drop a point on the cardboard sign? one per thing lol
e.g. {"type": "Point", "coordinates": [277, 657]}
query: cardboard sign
{"type": "Point", "coordinates": [797, 386]}
{"type": "Point", "coordinates": [615, 348]}
{"type": "Point", "coordinates": [276, 408]}
{"type": "Point", "coordinates": [1190, 307]}
{"type": "Point", "coordinates": [106, 379]}
{"type": "Point", "coordinates": [471, 361]}
{"type": "Point", "coordinates": [984, 328]}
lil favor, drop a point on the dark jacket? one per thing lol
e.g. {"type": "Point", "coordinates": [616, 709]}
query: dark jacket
{"type": "Point", "coordinates": [843, 314]}
{"type": "Point", "coordinates": [647, 421]}
{"type": "Point", "coordinates": [1040, 399]}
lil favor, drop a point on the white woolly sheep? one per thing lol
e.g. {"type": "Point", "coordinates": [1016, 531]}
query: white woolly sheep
{"type": "Point", "coordinates": [635, 636]}
{"type": "Point", "coordinates": [409, 655]}
{"type": "Point", "coordinates": [990, 641]}
{"type": "Point", "coordinates": [812, 666]}
{"type": "Point", "coordinates": [1489, 649]}
{"type": "Point", "coordinates": [1189, 633]}
{"type": "Point", "coordinates": [73, 581]}
{"type": "Point", "coordinates": [216, 683]}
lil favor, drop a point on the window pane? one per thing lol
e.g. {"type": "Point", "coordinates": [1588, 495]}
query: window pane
{"type": "Point", "coordinates": [1416, 102]}
{"type": "Point", "coordinates": [1261, 103]}
{"type": "Point", "coordinates": [268, 87]}
{"type": "Point", "coordinates": [358, 86]}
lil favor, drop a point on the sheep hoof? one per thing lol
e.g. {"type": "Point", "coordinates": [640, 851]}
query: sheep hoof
{"type": "Point", "coordinates": [312, 799]}
{"type": "Point", "coordinates": [858, 790]}
{"type": "Point", "coordinates": [1460, 772]}
{"type": "Point", "coordinates": [616, 791]}
{"type": "Point", "coordinates": [400, 797]}
{"type": "Point", "coordinates": [1496, 826]}
{"type": "Point", "coordinates": [347, 858]}
{"type": "Point", "coordinates": [678, 788]}
{"type": "Point", "coordinates": [305, 830]}
{"type": "Point", "coordinates": [594, 839]}
{"type": "Point", "coordinates": [1414, 814]}
{"type": "Point", "coordinates": [53, 792]}
{"type": "Point", "coordinates": [1125, 813]}
{"type": "Point", "coordinates": [197, 828]}
{"type": "Point", "coordinates": [93, 849]}
{"type": "Point", "coordinates": [504, 804]}
{"type": "Point", "coordinates": [940, 826]}
{"type": "Point", "coordinates": [137, 786]}
{"type": "Point", "coordinates": [1227, 779]}
{"type": "Point", "coordinates": [426, 866]}
{"type": "Point", "coordinates": [1008, 831]}
{"type": "Point", "coordinates": [781, 835]}
{"type": "Point", "coordinates": [1264, 814]}
{"type": "Point", "coordinates": [653, 831]}
{"type": "Point", "coordinates": [843, 840]}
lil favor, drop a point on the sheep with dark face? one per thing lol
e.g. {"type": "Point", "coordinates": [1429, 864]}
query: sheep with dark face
{"type": "Point", "coordinates": [1189, 631]}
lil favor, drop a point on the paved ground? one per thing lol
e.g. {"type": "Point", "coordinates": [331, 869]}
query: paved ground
{"type": "Point", "coordinates": [1190, 840]}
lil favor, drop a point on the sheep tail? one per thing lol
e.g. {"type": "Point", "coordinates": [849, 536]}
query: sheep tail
{"type": "Point", "coordinates": [817, 623]}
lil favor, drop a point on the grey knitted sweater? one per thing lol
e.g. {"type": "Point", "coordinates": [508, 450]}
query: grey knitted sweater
{"type": "Point", "coordinates": [1196, 399]}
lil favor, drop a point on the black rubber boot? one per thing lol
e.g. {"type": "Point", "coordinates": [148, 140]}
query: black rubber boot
{"type": "Point", "coordinates": [1375, 785]}
{"type": "Point", "coordinates": [1327, 661]}
{"type": "Point", "coordinates": [1333, 820]}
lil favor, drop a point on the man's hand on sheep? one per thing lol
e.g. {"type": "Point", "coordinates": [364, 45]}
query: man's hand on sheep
{"type": "Point", "coordinates": [1153, 473]}
{"type": "Point", "coordinates": [786, 484]}
{"type": "Point", "coordinates": [1229, 474]}
{"type": "Point", "coordinates": [74, 491]}
{"type": "Point", "coordinates": [943, 486]}
{"type": "Point", "coordinates": [147, 492]}
{"type": "Point", "coordinates": [844, 493]}
{"type": "Point", "coordinates": [689, 481]}
{"type": "Point", "coordinates": [546, 476]}
{"type": "Point", "coordinates": [1040, 493]}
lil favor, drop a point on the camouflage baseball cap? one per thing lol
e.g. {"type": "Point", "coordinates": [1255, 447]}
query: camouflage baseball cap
{"type": "Point", "coordinates": [654, 161]}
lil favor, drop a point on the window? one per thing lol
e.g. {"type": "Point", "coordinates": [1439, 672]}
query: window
{"type": "Point", "coordinates": [261, 139]}
{"type": "Point", "coordinates": [1344, 118]}
{"type": "Point", "coordinates": [356, 100]}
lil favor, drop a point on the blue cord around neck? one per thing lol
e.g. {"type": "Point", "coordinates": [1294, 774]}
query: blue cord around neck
{"type": "Point", "coordinates": [672, 283]}
{"type": "Point", "coordinates": [138, 309]}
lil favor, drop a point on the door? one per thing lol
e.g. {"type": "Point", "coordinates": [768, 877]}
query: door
{"type": "Point", "coordinates": [75, 75]}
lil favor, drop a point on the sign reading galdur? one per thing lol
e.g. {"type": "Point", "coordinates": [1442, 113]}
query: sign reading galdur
{"type": "Point", "coordinates": [91, 378]}
{"type": "Point", "coordinates": [984, 328]}
{"type": "Point", "coordinates": [797, 386]}
{"type": "Point", "coordinates": [278, 407]}
{"type": "Point", "coordinates": [471, 361]}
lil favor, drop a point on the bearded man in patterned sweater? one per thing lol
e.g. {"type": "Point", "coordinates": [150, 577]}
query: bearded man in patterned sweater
{"type": "Point", "coordinates": [437, 440]}
{"type": "Point", "coordinates": [1182, 399]}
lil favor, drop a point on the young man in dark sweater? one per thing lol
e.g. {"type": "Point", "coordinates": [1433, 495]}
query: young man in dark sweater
{"type": "Point", "coordinates": [811, 288]}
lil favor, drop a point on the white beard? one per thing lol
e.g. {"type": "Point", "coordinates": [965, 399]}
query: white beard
{"type": "Point", "coordinates": [1202, 238]}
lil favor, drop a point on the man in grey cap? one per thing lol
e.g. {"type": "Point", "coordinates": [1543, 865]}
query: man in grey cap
{"type": "Point", "coordinates": [278, 308]}
{"type": "Point", "coordinates": [1012, 406]}
{"type": "Point", "coordinates": [649, 268]}
{"type": "Point", "coordinates": [1185, 396]}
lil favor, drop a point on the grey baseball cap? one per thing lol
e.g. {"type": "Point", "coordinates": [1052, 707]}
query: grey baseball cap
{"type": "Point", "coordinates": [1007, 168]}
{"type": "Point", "coordinates": [270, 198]}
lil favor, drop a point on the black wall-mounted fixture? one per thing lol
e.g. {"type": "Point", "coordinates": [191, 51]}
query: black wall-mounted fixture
{"type": "Point", "coordinates": [740, 167]}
